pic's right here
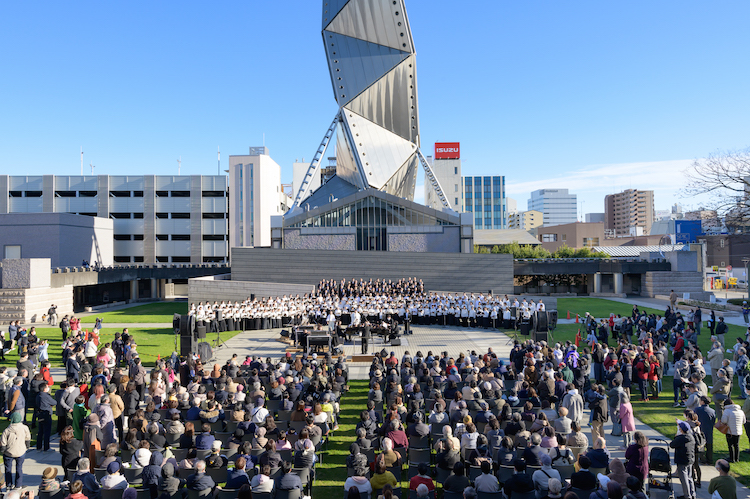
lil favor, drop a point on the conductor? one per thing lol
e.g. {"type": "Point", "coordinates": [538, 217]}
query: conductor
{"type": "Point", "coordinates": [366, 335]}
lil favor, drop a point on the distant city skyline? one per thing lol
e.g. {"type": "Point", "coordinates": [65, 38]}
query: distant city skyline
{"type": "Point", "coordinates": [595, 98]}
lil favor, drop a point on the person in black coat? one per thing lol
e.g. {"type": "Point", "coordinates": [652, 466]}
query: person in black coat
{"type": "Point", "coordinates": [156, 439]}
{"type": "Point", "coordinates": [70, 449]}
{"type": "Point", "coordinates": [583, 479]}
{"type": "Point", "coordinates": [520, 482]}
{"type": "Point", "coordinates": [237, 477]}
{"type": "Point", "coordinates": [288, 480]}
{"type": "Point", "coordinates": [707, 418]}
{"type": "Point", "coordinates": [200, 481]}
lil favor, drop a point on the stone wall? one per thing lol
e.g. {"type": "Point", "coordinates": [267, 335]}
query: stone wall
{"type": "Point", "coordinates": [446, 240]}
{"type": "Point", "coordinates": [453, 272]}
{"type": "Point", "coordinates": [307, 238]}
{"type": "Point", "coordinates": [28, 305]}
{"type": "Point", "coordinates": [661, 283]}
{"type": "Point", "coordinates": [218, 288]}
{"type": "Point", "coordinates": [26, 273]}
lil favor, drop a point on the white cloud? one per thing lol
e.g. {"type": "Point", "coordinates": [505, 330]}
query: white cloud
{"type": "Point", "coordinates": [592, 183]}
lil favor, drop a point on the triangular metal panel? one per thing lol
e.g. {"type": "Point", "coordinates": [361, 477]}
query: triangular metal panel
{"type": "Point", "coordinates": [391, 102]}
{"type": "Point", "coordinates": [376, 21]}
{"type": "Point", "coordinates": [330, 9]}
{"type": "Point", "coordinates": [356, 64]}
{"type": "Point", "coordinates": [403, 182]}
{"type": "Point", "coordinates": [346, 164]}
{"type": "Point", "coordinates": [380, 152]}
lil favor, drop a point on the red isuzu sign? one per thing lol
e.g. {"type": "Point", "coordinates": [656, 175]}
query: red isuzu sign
{"type": "Point", "coordinates": [447, 150]}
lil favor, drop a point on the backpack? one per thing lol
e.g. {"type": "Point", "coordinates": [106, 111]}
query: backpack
{"type": "Point", "coordinates": [700, 439]}
{"type": "Point", "coordinates": [673, 339]}
{"type": "Point", "coordinates": [658, 370]}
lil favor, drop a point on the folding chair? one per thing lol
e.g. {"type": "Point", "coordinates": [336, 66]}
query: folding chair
{"type": "Point", "coordinates": [419, 455]}
{"type": "Point", "coordinates": [474, 472]}
{"type": "Point", "coordinates": [57, 494]}
{"type": "Point", "coordinates": [218, 475]}
{"type": "Point", "coordinates": [133, 475]}
{"type": "Point", "coordinates": [419, 442]}
{"type": "Point", "coordinates": [504, 473]}
{"type": "Point", "coordinates": [289, 494]}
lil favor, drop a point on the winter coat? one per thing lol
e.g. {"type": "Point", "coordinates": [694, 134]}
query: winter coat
{"type": "Point", "coordinates": [720, 390]}
{"type": "Point", "coordinates": [626, 417]}
{"type": "Point", "coordinates": [735, 418]}
{"type": "Point", "coordinates": [715, 358]}
{"type": "Point", "coordinates": [14, 439]}
{"type": "Point", "coordinates": [684, 448]}
{"type": "Point", "coordinates": [574, 403]}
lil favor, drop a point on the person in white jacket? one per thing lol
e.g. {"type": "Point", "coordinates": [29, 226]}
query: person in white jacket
{"type": "Point", "coordinates": [735, 419]}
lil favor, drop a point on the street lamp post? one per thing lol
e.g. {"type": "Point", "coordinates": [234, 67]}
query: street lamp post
{"type": "Point", "coordinates": [745, 261]}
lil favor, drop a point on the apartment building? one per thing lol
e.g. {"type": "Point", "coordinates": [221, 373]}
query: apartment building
{"type": "Point", "coordinates": [630, 212]}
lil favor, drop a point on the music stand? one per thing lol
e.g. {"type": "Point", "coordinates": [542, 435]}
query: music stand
{"type": "Point", "coordinates": [513, 337]}
{"type": "Point", "coordinates": [218, 342]}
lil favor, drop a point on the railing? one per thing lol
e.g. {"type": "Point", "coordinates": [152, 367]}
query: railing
{"type": "Point", "coordinates": [114, 268]}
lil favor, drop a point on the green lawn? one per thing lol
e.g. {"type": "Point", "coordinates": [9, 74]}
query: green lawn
{"type": "Point", "coordinates": [331, 474]}
{"type": "Point", "coordinates": [152, 313]}
{"type": "Point", "coordinates": [151, 342]}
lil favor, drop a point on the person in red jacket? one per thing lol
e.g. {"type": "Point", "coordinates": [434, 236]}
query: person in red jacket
{"type": "Point", "coordinates": [653, 375]}
{"type": "Point", "coordinates": [45, 372]}
{"type": "Point", "coordinates": [642, 371]}
{"type": "Point", "coordinates": [679, 347]}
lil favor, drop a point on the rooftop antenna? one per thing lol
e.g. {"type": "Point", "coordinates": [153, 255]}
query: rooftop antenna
{"type": "Point", "coordinates": [81, 161]}
{"type": "Point", "coordinates": [179, 165]}
{"type": "Point", "coordinates": [92, 168]}
{"type": "Point", "coordinates": [218, 166]}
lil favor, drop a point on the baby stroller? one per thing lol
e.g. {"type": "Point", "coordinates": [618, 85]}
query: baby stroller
{"type": "Point", "coordinates": [659, 462]}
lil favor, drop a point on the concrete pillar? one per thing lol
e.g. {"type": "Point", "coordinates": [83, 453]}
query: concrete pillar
{"type": "Point", "coordinates": [134, 289]}
{"type": "Point", "coordinates": [617, 277]}
{"type": "Point", "coordinates": [162, 288]}
{"type": "Point", "coordinates": [598, 282]}
{"type": "Point", "coordinates": [154, 288]}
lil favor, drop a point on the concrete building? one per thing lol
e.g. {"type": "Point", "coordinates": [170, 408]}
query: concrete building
{"type": "Point", "coordinates": [628, 210]}
{"type": "Point", "coordinates": [511, 205]}
{"type": "Point", "coordinates": [156, 218]}
{"type": "Point", "coordinates": [526, 220]}
{"type": "Point", "coordinates": [255, 196]}
{"type": "Point", "coordinates": [557, 205]}
{"type": "Point", "coordinates": [575, 235]}
{"type": "Point", "coordinates": [298, 174]}
{"type": "Point", "coordinates": [485, 198]}
{"type": "Point", "coordinates": [446, 165]}
{"type": "Point", "coordinates": [594, 217]}
{"type": "Point", "coordinates": [65, 239]}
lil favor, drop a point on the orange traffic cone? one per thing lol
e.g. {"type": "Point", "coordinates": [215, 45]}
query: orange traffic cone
{"type": "Point", "coordinates": [568, 314]}
{"type": "Point", "coordinates": [578, 319]}
{"type": "Point", "coordinates": [158, 357]}
{"type": "Point", "coordinates": [578, 337]}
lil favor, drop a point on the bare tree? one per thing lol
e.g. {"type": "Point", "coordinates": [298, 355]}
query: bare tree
{"type": "Point", "coordinates": [725, 177]}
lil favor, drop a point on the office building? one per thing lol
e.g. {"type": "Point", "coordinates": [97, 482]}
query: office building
{"type": "Point", "coordinates": [525, 220]}
{"type": "Point", "coordinates": [574, 235]}
{"type": "Point", "coordinates": [157, 218]}
{"type": "Point", "coordinates": [594, 218]}
{"type": "Point", "coordinates": [630, 212]}
{"type": "Point", "coordinates": [255, 196]}
{"type": "Point", "coordinates": [446, 167]}
{"type": "Point", "coordinates": [485, 198]}
{"type": "Point", "coordinates": [558, 206]}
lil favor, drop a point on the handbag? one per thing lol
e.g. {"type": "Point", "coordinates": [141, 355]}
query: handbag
{"type": "Point", "coordinates": [722, 427]}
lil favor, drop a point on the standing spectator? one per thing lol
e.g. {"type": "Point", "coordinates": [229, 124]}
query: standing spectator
{"type": "Point", "coordinates": [684, 457]}
{"type": "Point", "coordinates": [724, 484]}
{"type": "Point", "coordinates": [15, 441]}
{"type": "Point", "coordinates": [721, 330]}
{"type": "Point", "coordinates": [707, 418]}
{"type": "Point", "coordinates": [45, 403]}
{"type": "Point", "coordinates": [600, 414]}
{"type": "Point", "coordinates": [720, 391]}
{"type": "Point", "coordinates": [735, 419]}
{"type": "Point", "coordinates": [637, 457]}
{"type": "Point", "coordinates": [70, 449]}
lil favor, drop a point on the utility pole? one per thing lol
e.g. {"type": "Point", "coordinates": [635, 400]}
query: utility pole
{"type": "Point", "coordinates": [92, 168]}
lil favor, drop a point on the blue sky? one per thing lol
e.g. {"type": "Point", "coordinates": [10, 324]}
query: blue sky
{"type": "Point", "coordinates": [593, 96]}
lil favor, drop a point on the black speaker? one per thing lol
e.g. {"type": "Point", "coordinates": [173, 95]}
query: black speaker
{"type": "Point", "coordinates": [186, 345]}
{"type": "Point", "coordinates": [201, 332]}
{"type": "Point", "coordinates": [541, 321]}
{"type": "Point", "coordinates": [219, 315]}
{"type": "Point", "coordinates": [184, 325]}
{"type": "Point", "coordinates": [513, 313]}
{"type": "Point", "coordinates": [540, 335]}
{"type": "Point", "coordinates": [552, 319]}
{"type": "Point", "coordinates": [396, 342]}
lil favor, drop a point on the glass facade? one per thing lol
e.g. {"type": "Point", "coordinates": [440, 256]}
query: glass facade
{"type": "Point", "coordinates": [485, 197]}
{"type": "Point", "coordinates": [371, 212]}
